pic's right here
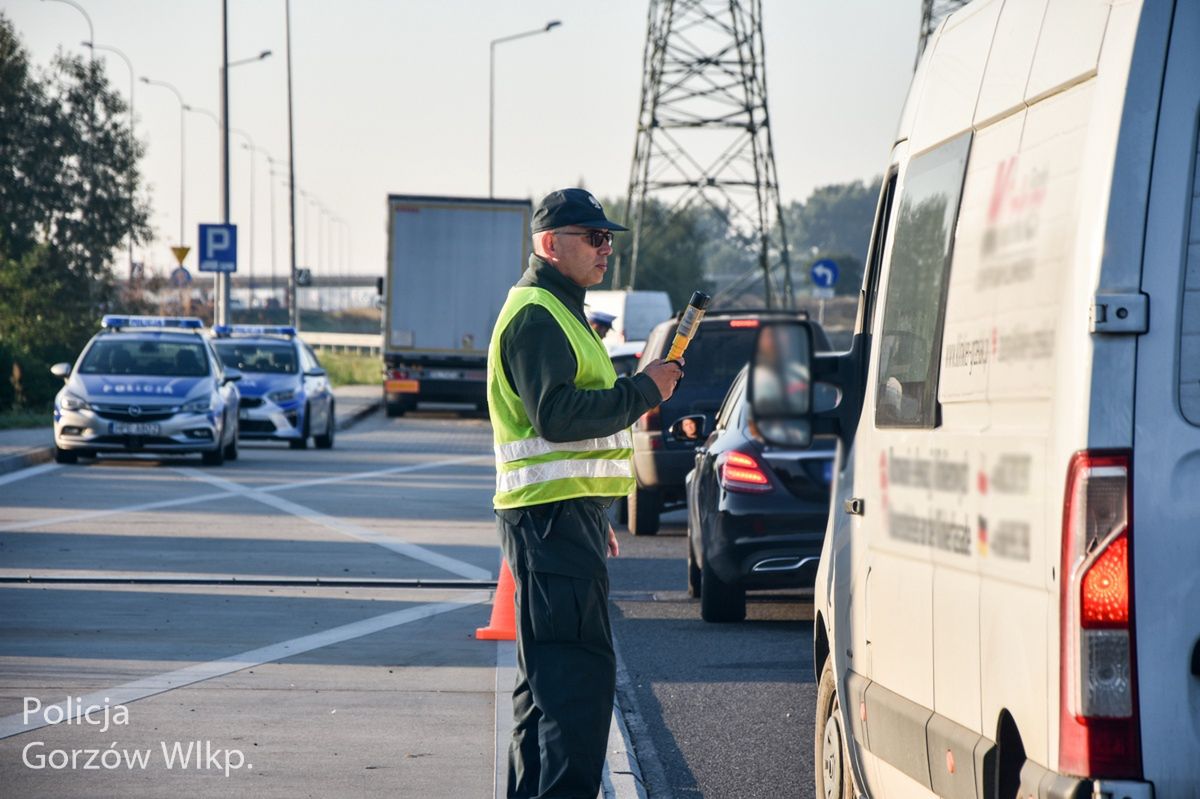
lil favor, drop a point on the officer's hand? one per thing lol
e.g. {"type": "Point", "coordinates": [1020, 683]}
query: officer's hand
{"type": "Point", "coordinates": [665, 375]}
{"type": "Point", "coordinates": [614, 548]}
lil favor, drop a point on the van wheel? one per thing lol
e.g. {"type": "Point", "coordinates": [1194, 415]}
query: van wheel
{"type": "Point", "coordinates": [831, 756]}
{"type": "Point", "coordinates": [65, 455]}
{"type": "Point", "coordinates": [694, 581]}
{"type": "Point", "coordinates": [644, 506]}
{"type": "Point", "coordinates": [720, 601]}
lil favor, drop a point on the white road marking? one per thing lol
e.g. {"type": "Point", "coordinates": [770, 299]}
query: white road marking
{"type": "Point", "coordinates": [172, 503]}
{"type": "Point", "coordinates": [400, 547]}
{"type": "Point", "coordinates": [160, 683]}
{"type": "Point", "coordinates": [32, 471]}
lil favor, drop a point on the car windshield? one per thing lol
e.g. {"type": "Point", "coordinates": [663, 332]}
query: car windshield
{"type": "Point", "coordinates": [150, 357]}
{"type": "Point", "coordinates": [718, 353]}
{"type": "Point", "coordinates": [254, 356]}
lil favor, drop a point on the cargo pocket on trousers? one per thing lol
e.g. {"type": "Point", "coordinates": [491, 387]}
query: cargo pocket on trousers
{"type": "Point", "coordinates": [565, 609]}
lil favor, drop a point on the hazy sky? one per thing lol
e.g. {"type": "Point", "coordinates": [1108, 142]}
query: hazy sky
{"type": "Point", "coordinates": [391, 96]}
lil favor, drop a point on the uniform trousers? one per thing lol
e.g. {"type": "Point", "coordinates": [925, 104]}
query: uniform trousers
{"type": "Point", "coordinates": [566, 669]}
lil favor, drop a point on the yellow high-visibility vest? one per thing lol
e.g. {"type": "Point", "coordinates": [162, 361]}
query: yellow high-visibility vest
{"type": "Point", "coordinates": [529, 469]}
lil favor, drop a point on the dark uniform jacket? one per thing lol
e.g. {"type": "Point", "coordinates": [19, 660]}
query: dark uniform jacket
{"type": "Point", "coordinates": [568, 537]}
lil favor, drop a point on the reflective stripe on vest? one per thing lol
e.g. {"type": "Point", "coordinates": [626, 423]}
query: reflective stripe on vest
{"type": "Point", "coordinates": [562, 470]}
{"type": "Point", "coordinates": [532, 447]}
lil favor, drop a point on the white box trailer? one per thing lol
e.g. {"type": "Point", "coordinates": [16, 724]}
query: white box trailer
{"type": "Point", "coordinates": [1008, 602]}
{"type": "Point", "coordinates": [451, 262]}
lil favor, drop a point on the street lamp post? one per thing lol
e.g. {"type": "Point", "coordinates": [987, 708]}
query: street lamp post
{"type": "Point", "coordinates": [549, 26]}
{"type": "Point", "coordinates": [293, 311]}
{"type": "Point", "coordinates": [79, 8]}
{"type": "Point", "coordinates": [182, 149]}
{"type": "Point", "coordinates": [132, 135]}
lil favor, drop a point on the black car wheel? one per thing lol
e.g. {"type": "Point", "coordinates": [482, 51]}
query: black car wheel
{"type": "Point", "coordinates": [214, 457]}
{"type": "Point", "coordinates": [644, 507]}
{"type": "Point", "coordinates": [65, 455]}
{"type": "Point", "coordinates": [694, 581]}
{"type": "Point", "coordinates": [231, 450]}
{"type": "Point", "coordinates": [302, 441]}
{"type": "Point", "coordinates": [831, 758]}
{"type": "Point", "coordinates": [325, 440]}
{"type": "Point", "coordinates": [720, 601]}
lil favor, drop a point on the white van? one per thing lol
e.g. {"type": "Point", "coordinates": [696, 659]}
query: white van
{"type": "Point", "coordinates": [636, 312]}
{"type": "Point", "coordinates": [1008, 602]}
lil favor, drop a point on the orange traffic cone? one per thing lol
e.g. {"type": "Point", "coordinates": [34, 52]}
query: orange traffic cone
{"type": "Point", "coordinates": [503, 624]}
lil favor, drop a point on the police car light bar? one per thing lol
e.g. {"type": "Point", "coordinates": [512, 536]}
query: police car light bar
{"type": "Point", "coordinates": [114, 322]}
{"type": "Point", "coordinates": [254, 330]}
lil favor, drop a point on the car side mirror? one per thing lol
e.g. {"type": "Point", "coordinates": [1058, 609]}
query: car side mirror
{"type": "Point", "coordinates": [780, 388]}
{"type": "Point", "coordinates": [232, 375]}
{"type": "Point", "coordinates": [318, 372]}
{"type": "Point", "coordinates": [62, 370]}
{"type": "Point", "coordinates": [687, 428]}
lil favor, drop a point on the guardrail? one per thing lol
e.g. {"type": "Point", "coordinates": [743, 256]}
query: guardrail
{"type": "Point", "coordinates": [362, 343]}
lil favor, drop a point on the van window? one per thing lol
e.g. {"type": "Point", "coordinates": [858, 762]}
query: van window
{"type": "Point", "coordinates": [1189, 332]}
{"type": "Point", "coordinates": [915, 302]}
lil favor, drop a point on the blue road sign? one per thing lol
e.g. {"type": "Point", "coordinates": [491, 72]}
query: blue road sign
{"type": "Point", "coordinates": [180, 277]}
{"type": "Point", "coordinates": [218, 248]}
{"type": "Point", "coordinates": [824, 273]}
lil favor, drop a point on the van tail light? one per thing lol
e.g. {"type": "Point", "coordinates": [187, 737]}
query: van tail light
{"type": "Point", "coordinates": [1099, 729]}
{"type": "Point", "coordinates": [741, 472]}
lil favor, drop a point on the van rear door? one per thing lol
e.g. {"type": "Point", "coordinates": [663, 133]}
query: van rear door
{"type": "Point", "coordinates": [1166, 458]}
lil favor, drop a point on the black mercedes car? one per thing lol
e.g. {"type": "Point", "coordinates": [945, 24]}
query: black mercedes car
{"type": "Point", "coordinates": [756, 514]}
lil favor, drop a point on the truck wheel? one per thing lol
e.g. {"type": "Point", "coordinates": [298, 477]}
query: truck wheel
{"type": "Point", "coordinates": [720, 601]}
{"type": "Point", "coordinates": [831, 756]}
{"type": "Point", "coordinates": [644, 506]}
{"type": "Point", "coordinates": [397, 408]}
{"type": "Point", "coordinates": [65, 455]}
{"type": "Point", "coordinates": [325, 440]}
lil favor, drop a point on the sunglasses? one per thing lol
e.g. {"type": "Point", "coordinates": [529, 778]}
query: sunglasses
{"type": "Point", "coordinates": [595, 238]}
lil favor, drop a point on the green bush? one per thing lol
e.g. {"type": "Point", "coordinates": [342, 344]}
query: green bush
{"type": "Point", "coordinates": [351, 369]}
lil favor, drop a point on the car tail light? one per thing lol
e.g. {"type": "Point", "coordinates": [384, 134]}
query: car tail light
{"type": "Point", "coordinates": [741, 472]}
{"type": "Point", "coordinates": [1099, 730]}
{"type": "Point", "coordinates": [650, 420]}
{"type": "Point", "coordinates": [743, 323]}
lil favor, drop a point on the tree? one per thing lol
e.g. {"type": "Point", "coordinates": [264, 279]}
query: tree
{"type": "Point", "coordinates": [834, 222]}
{"type": "Point", "coordinates": [68, 168]}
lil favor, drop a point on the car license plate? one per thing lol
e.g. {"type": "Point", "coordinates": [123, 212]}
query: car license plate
{"type": "Point", "coordinates": [136, 428]}
{"type": "Point", "coordinates": [443, 374]}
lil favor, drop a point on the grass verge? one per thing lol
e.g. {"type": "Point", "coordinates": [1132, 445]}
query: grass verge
{"type": "Point", "coordinates": [19, 420]}
{"type": "Point", "coordinates": [347, 369]}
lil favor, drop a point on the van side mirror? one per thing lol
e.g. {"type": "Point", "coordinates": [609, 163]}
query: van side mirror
{"type": "Point", "coordinates": [780, 388]}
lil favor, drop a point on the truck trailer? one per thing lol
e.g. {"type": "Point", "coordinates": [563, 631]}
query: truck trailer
{"type": "Point", "coordinates": [451, 261]}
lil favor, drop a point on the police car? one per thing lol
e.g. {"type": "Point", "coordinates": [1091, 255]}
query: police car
{"type": "Point", "coordinates": [147, 384]}
{"type": "Point", "coordinates": [285, 394]}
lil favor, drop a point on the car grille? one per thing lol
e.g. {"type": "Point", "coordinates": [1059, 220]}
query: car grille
{"type": "Point", "coordinates": [120, 413]}
{"type": "Point", "coordinates": [256, 426]}
{"type": "Point", "coordinates": [250, 402]}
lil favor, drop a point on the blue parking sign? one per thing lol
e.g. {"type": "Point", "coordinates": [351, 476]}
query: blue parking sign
{"type": "Point", "coordinates": [218, 248]}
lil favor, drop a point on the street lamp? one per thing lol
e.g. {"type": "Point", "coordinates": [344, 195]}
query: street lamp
{"type": "Point", "coordinates": [182, 148]}
{"type": "Point", "coordinates": [94, 47]}
{"type": "Point", "coordinates": [551, 25]}
{"type": "Point", "coordinates": [79, 8]}
{"type": "Point", "coordinates": [222, 309]}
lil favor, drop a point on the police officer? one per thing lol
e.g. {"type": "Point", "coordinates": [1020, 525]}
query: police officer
{"type": "Point", "coordinates": [601, 322]}
{"type": "Point", "coordinates": [561, 420]}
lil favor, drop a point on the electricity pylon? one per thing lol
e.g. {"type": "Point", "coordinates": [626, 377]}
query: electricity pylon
{"type": "Point", "coordinates": [704, 133]}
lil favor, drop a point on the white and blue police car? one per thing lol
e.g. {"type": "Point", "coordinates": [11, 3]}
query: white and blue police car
{"type": "Point", "coordinates": [147, 384]}
{"type": "Point", "coordinates": [285, 394]}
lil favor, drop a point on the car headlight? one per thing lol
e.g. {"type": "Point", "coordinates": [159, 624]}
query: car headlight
{"type": "Point", "coordinates": [70, 402]}
{"type": "Point", "coordinates": [283, 395]}
{"type": "Point", "coordinates": [202, 405]}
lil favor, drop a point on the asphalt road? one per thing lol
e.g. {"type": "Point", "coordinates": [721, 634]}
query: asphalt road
{"type": "Point", "coordinates": [350, 689]}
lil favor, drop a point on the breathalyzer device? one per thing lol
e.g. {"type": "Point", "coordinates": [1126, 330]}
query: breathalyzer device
{"type": "Point", "coordinates": [689, 324]}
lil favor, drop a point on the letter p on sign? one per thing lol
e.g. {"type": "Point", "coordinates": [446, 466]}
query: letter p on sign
{"type": "Point", "coordinates": [218, 248]}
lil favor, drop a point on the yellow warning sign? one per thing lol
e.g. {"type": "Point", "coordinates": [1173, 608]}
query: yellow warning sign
{"type": "Point", "coordinates": [181, 253]}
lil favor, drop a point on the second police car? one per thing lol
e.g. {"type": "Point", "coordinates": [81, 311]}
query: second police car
{"type": "Point", "coordinates": [285, 394]}
{"type": "Point", "coordinates": [147, 384]}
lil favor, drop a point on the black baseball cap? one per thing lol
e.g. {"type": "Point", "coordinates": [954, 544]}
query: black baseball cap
{"type": "Point", "coordinates": [571, 207]}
